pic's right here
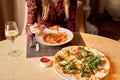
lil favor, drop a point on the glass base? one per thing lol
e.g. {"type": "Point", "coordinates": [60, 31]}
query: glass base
{"type": "Point", "coordinates": [15, 53]}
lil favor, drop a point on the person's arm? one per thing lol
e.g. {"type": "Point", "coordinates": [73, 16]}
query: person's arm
{"type": "Point", "coordinates": [80, 18]}
{"type": "Point", "coordinates": [25, 20]}
{"type": "Point", "coordinates": [70, 22]}
{"type": "Point", "coordinates": [30, 10]}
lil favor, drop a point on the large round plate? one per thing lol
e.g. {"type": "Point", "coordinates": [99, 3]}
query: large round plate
{"type": "Point", "coordinates": [39, 37]}
{"type": "Point", "coordinates": [70, 57]}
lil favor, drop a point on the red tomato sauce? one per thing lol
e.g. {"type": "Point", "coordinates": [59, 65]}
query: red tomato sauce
{"type": "Point", "coordinates": [45, 60]}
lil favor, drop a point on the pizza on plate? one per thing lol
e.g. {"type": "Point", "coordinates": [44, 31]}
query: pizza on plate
{"type": "Point", "coordinates": [81, 63]}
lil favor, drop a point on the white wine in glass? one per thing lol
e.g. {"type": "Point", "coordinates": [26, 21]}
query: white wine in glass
{"type": "Point", "coordinates": [11, 33]}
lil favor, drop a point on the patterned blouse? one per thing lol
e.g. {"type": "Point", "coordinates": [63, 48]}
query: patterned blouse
{"type": "Point", "coordinates": [56, 14]}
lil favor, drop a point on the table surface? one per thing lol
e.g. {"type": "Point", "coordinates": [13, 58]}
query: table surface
{"type": "Point", "coordinates": [22, 68]}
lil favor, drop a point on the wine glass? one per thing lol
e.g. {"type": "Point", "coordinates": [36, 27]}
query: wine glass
{"type": "Point", "coordinates": [11, 33]}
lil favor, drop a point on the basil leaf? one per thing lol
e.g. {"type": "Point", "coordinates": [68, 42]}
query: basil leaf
{"type": "Point", "coordinates": [79, 56]}
{"type": "Point", "coordinates": [83, 74]}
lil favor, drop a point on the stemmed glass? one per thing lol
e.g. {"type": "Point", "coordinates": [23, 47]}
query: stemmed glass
{"type": "Point", "coordinates": [11, 33]}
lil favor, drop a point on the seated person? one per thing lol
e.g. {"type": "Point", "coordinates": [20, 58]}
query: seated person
{"type": "Point", "coordinates": [52, 12]}
{"type": "Point", "coordinates": [47, 13]}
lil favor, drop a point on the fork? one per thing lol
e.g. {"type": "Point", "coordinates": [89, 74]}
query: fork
{"type": "Point", "coordinates": [34, 43]}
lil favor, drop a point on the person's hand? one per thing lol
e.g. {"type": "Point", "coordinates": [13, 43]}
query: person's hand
{"type": "Point", "coordinates": [42, 27]}
{"type": "Point", "coordinates": [36, 29]}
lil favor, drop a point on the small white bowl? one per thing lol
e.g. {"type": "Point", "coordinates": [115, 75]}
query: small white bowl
{"type": "Point", "coordinates": [45, 61]}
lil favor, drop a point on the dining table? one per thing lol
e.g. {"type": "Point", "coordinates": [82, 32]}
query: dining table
{"type": "Point", "coordinates": [28, 68]}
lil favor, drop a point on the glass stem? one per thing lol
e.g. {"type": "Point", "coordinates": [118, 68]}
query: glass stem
{"type": "Point", "coordinates": [12, 41]}
{"type": "Point", "coordinates": [13, 46]}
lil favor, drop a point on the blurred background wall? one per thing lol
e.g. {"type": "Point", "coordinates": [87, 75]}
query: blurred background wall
{"type": "Point", "coordinates": [11, 10]}
{"type": "Point", "coordinates": [6, 13]}
{"type": "Point", "coordinates": [19, 13]}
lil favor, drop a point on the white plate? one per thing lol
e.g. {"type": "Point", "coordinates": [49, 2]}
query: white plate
{"type": "Point", "coordinates": [39, 38]}
{"type": "Point", "coordinates": [62, 76]}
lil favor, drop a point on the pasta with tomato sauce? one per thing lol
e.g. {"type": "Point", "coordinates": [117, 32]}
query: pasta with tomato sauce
{"type": "Point", "coordinates": [54, 38]}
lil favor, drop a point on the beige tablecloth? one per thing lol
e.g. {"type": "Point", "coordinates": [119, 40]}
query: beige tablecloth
{"type": "Point", "coordinates": [22, 68]}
